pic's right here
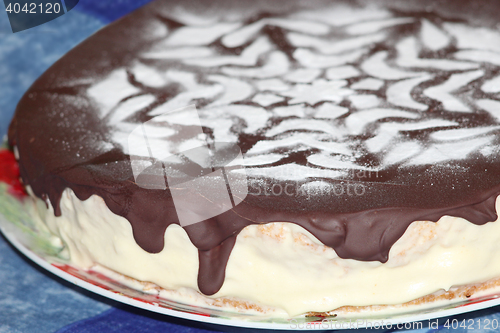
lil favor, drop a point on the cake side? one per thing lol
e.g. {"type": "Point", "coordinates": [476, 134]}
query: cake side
{"type": "Point", "coordinates": [281, 267]}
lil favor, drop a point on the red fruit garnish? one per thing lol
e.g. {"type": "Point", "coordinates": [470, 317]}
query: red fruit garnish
{"type": "Point", "coordinates": [9, 173]}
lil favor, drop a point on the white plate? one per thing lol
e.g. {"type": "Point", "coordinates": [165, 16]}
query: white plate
{"type": "Point", "coordinates": [21, 231]}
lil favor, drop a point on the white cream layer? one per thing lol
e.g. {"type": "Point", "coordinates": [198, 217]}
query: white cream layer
{"type": "Point", "coordinates": [281, 265]}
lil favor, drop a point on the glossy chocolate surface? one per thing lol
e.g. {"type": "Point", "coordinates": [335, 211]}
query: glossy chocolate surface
{"type": "Point", "coordinates": [355, 119]}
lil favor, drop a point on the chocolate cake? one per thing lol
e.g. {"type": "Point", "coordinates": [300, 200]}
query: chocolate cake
{"type": "Point", "coordinates": [360, 126]}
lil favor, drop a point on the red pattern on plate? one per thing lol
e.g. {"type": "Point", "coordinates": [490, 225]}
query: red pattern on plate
{"type": "Point", "coordinates": [104, 282]}
{"type": "Point", "coordinates": [9, 173]}
{"type": "Point", "coordinates": [479, 300]}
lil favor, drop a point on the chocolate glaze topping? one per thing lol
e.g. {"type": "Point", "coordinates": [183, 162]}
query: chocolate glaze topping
{"type": "Point", "coordinates": [355, 119]}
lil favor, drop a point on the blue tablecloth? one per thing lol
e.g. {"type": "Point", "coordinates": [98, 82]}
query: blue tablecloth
{"type": "Point", "coordinates": [32, 300]}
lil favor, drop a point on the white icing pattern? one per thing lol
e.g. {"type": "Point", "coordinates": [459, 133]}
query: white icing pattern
{"type": "Point", "coordinates": [333, 84]}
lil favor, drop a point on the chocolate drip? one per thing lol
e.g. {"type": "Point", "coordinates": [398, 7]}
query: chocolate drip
{"type": "Point", "coordinates": [64, 143]}
{"type": "Point", "coordinates": [213, 266]}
